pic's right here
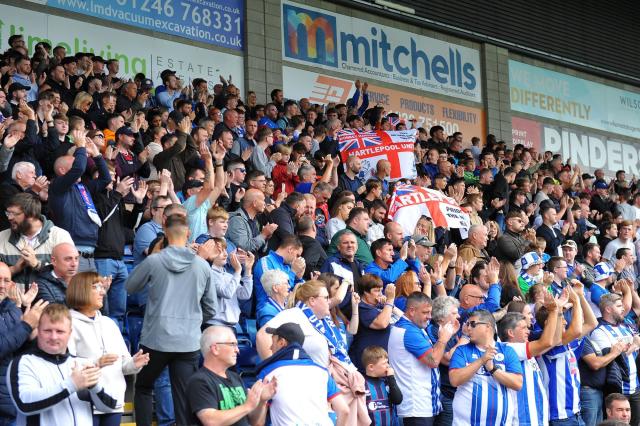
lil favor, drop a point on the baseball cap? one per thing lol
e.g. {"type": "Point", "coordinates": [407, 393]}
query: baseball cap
{"type": "Point", "coordinates": [570, 243]}
{"type": "Point", "coordinates": [530, 259]}
{"type": "Point", "coordinates": [164, 74]}
{"type": "Point", "coordinates": [289, 331]}
{"type": "Point", "coordinates": [423, 241]}
{"type": "Point", "coordinates": [124, 130]}
{"type": "Point", "coordinates": [586, 176]}
{"type": "Point", "coordinates": [147, 83]}
{"type": "Point", "coordinates": [98, 59]}
{"type": "Point", "coordinates": [17, 86]}
{"type": "Point", "coordinates": [190, 184]}
{"type": "Point", "coordinates": [601, 185]}
{"type": "Point", "coordinates": [602, 271]}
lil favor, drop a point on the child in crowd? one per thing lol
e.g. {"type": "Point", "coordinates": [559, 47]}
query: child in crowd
{"type": "Point", "coordinates": [382, 391]}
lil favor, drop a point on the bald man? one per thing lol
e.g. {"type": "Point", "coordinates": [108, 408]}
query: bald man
{"type": "Point", "coordinates": [472, 298]}
{"type": "Point", "coordinates": [244, 230]}
{"type": "Point", "coordinates": [54, 279]}
{"type": "Point", "coordinates": [71, 202]}
{"type": "Point", "coordinates": [475, 246]}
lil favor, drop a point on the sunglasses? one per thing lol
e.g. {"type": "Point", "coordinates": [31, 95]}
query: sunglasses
{"type": "Point", "coordinates": [474, 324]}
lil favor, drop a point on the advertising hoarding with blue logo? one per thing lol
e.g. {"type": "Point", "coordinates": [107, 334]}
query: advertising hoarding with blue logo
{"type": "Point", "coordinates": [217, 22]}
{"type": "Point", "coordinates": [136, 53]}
{"type": "Point", "coordinates": [319, 38]}
{"type": "Point", "coordinates": [562, 97]}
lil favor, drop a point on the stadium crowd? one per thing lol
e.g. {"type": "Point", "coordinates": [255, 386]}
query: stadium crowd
{"type": "Point", "coordinates": [219, 250]}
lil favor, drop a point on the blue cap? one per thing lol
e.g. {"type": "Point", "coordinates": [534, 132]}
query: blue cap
{"type": "Point", "coordinates": [602, 271]}
{"type": "Point", "coordinates": [530, 259]}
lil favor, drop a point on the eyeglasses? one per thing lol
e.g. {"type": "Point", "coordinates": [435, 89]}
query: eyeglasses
{"type": "Point", "coordinates": [322, 297]}
{"type": "Point", "coordinates": [242, 170]}
{"type": "Point", "coordinates": [97, 287]}
{"type": "Point", "coordinates": [474, 324]}
{"type": "Point", "coordinates": [232, 344]}
{"type": "Point", "coordinates": [561, 267]}
{"type": "Point", "coordinates": [478, 297]}
{"type": "Point", "coordinates": [99, 136]}
{"type": "Point", "coordinates": [12, 214]}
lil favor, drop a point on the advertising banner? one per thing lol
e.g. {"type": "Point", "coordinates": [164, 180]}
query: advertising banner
{"type": "Point", "coordinates": [324, 89]}
{"type": "Point", "coordinates": [337, 42]}
{"type": "Point", "coordinates": [562, 97]}
{"type": "Point", "coordinates": [409, 202]}
{"type": "Point", "coordinates": [217, 22]}
{"type": "Point", "coordinates": [588, 149]}
{"type": "Point", "coordinates": [371, 147]}
{"type": "Point", "coordinates": [136, 53]}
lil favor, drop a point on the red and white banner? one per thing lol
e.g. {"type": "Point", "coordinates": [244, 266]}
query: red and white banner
{"type": "Point", "coordinates": [373, 146]}
{"type": "Point", "coordinates": [410, 202]}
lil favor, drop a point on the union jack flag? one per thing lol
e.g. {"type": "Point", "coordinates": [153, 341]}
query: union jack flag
{"type": "Point", "coordinates": [353, 139]}
{"type": "Point", "coordinates": [404, 189]}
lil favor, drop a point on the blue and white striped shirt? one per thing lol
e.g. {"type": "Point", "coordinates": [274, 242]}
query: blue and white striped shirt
{"type": "Point", "coordinates": [483, 400]}
{"type": "Point", "coordinates": [561, 376]}
{"type": "Point", "coordinates": [532, 400]}
{"type": "Point", "coordinates": [606, 335]}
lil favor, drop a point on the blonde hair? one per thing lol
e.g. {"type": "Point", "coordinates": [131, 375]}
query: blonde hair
{"type": "Point", "coordinates": [81, 98]}
{"type": "Point", "coordinates": [56, 312]}
{"type": "Point", "coordinates": [305, 291]}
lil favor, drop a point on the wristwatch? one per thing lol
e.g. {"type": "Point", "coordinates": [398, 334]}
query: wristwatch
{"type": "Point", "coordinates": [494, 369]}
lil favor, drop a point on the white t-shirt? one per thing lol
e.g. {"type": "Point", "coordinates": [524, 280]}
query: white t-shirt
{"type": "Point", "coordinates": [315, 344]}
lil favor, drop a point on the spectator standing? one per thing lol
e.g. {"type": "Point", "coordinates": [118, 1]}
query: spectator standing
{"type": "Point", "coordinates": [299, 401]}
{"type": "Point", "coordinates": [312, 252]}
{"type": "Point", "coordinates": [416, 358]}
{"type": "Point", "coordinates": [484, 368]}
{"type": "Point", "coordinates": [16, 328]}
{"type": "Point", "coordinates": [344, 263]}
{"type": "Point", "coordinates": [216, 393]}
{"type": "Point", "coordinates": [375, 311]}
{"type": "Point", "coordinates": [173, 317]}
{"type": "Point", "coordinates": [23, 179]}
{"type": "Point", "coordinates": [70, 201]}
{"type": "Point", "coordinates": [276, 284]}
{"type": "Point", "coordinates": [98, 338]}
{"type": "Point", "coordinates": [611, 330]}
{"type": "Point", "coordinates": [243, 229]}
{"type": "Point", "coordinates": [50, 386]}
{"type": "Point", "coordinates": [383, 393]}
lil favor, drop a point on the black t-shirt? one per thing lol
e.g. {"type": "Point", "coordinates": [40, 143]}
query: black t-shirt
{"type": "Point", "coordinates": [206, 389]}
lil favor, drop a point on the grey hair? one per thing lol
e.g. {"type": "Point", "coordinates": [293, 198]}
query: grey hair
{"type": "Point", "coordinates": [509, 322]}
{"type": "Point", "coordinates": [21, 167]}
{"type": "Point", "coordinates": [475, 228]}
{"type": "Point", "coordinates": [272, 277]}
{"type": "Point", "coordinates": [304, 169]}
{"type": "Point", "coordinates": [608, 300]}
{"type": "Point", "coordinates": [213, 334]}
{"type": "Point", "coordinates": [442, 306]}
{"type": "Point", "coordinates": [485, 316]}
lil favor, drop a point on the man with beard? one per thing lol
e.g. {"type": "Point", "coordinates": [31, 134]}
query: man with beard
{"type": "Point", "coordinates": [350, 180]}
{"type": "Point", "coordinates": [27, 245]}
{"type": "Point", "coordinates": [612, 329]}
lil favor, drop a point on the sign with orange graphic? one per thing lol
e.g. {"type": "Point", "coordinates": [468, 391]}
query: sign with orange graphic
{"type": "Point", "coordinates": [427, 112]}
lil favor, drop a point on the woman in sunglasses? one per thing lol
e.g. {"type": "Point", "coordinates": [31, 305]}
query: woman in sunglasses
{"type": "Point", "coordinates": [483, 371]}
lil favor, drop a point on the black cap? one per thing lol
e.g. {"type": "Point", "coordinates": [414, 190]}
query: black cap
{"type": "Point", "coordinates": [176, 116]}
{"type": "Point", "coordinates": [146, 84]}
{"type": "Point", "coordinates": [164, 74]}
{"type": "Point", "coordinates": [421, 240]}
{"type": "Point", "coordinates": [98, 59]}
{"type": "Point", "coordinates": [190, 184]}
{"type": "Point", "coordinates": [67, 60]}
{"type": "Point", "coordinates": [17, 86]}
{"type": "Point", "coordinates": [124, 130]}
{"type": "Point", "coordinates": [289, 331]}
{"type": "Point", "coordinates": [586, 176]}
